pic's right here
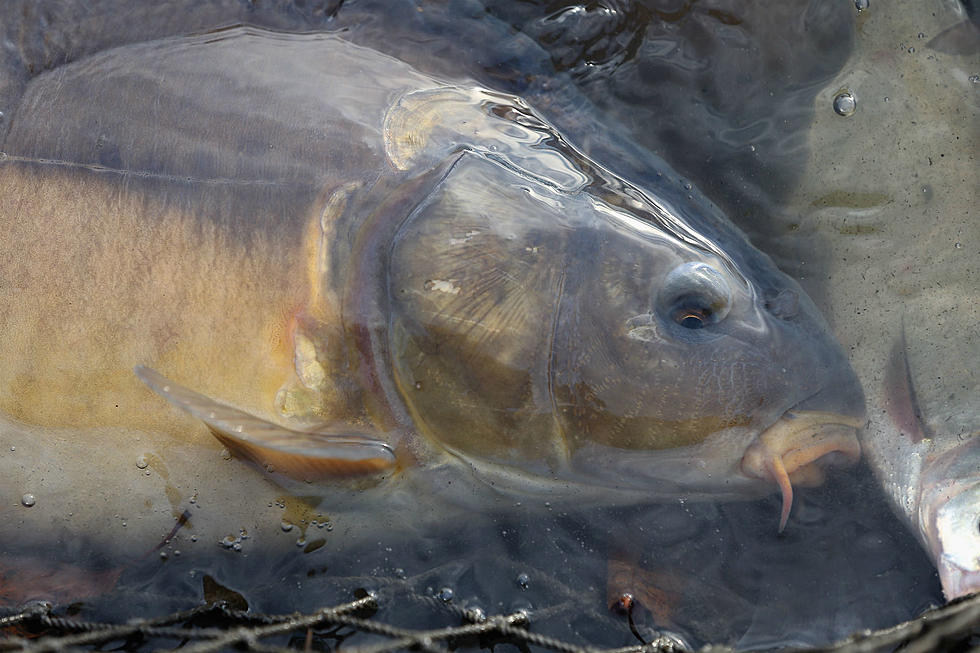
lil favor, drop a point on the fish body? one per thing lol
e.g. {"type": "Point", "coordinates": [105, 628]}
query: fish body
{"type": "Point", "coordinates": [899, 259]}
{"type": "Point", "coordinates": [341, 266]}
{"type": "Point", "coordinates": [931, 473]}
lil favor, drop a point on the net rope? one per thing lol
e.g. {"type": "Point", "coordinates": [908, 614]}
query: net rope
{"type": "Point", "coordinates": [217, 627]}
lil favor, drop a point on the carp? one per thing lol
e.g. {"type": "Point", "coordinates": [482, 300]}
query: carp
{"type": "Point", "coordinates": [342, 267]}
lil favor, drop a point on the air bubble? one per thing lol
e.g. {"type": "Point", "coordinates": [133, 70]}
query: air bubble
{"type": "Point", "coordinates": [226, 454]}
{"type": "Point", "coordinates": [522, 615]}
{"type": "Point", "coordinates": [141, 462]}
{"type": "Point", "coordinates": [285, 526]}
{"type": "Point", "coordinates": [228, 541]}
{"type": "Point", "coordinates": [163, 555]}
{"type": "Point", "coordinates": [445, 594]}
{"type": "Point", "coordinates": [523, 580]}
{"type": "Point", "coordinates": [845, 104]}
{"type": "Point", "coordinates": [861, 5]}
{"type": "Point", "coordinates": [28, 500]}
{"type": "Point", "coordinates": [475, 614]}
{"type": "Point", "coordinates": [13, 448]}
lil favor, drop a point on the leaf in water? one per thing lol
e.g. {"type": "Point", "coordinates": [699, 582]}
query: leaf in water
{"type": "Point", "coordinates": [215, 592]}
{"type": "Point", "coordinates": [314, 545]}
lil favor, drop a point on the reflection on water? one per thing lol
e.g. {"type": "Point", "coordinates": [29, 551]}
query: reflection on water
{"type": "Point", "coordinates": [726, 94]}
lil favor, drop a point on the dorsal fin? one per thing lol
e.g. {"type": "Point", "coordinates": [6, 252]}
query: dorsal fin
{"type": "Point", "coordinates": [903, 405]}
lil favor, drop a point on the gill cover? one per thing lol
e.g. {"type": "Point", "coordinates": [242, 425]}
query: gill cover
{"type": "Point", "coordinates": [529, 321]}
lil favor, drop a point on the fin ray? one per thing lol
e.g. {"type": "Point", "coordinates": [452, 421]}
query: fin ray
{"type": "Point", "coordinates": [327, 451]}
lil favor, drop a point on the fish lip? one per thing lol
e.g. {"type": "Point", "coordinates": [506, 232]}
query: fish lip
{"type": "Point", "coordinates": [788, 450]}
{"type": "Point", "coordinates": [800, 438]}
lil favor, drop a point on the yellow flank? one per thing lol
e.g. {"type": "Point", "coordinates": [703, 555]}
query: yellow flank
{"type": "Point", "coordinates": [95, 279]}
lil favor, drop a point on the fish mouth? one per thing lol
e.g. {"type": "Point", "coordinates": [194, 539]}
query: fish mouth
{"type": "Point", "coordinates": [794, 449]}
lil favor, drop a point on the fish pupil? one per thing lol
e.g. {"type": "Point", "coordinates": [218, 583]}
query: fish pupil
{"type": "Point", "coordinates": [692, 319]}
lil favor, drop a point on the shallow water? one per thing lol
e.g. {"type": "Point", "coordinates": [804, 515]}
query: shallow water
{"type": "Point", "coordinates": [702, 572]}
{"type": "Point", "coordinates": [728, 97]}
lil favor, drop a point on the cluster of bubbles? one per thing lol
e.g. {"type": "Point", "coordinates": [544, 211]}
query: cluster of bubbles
{"type": "Point", "coordinates": [234, 542]}
{"type": "Point", "coordinates": [475, 614]}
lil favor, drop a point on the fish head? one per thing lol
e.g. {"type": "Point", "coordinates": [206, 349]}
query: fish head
{"type": "Point", "coordinates": [551, 319]}
{"type": "Point", "coordinates": [689, 354]}
{"type": "Point", "coordinates": [949, 516]}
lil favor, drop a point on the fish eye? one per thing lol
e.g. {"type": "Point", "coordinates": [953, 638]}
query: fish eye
{"type": "Point", "coordinates": [694, 296]}
{"type": "Point", "coordinates": [690, 314]}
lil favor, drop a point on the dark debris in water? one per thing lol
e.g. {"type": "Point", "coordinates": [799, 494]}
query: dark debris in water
{"type": "Point", "coordinates": [220, 626]}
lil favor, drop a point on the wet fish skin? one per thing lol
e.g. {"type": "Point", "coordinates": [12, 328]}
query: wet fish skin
{"type": "Point", "coordinates": [304, 254]}
{"type": "Point", "coordinates": [932, 478]}
{"type": "Point", "coordinates": [950, 516]}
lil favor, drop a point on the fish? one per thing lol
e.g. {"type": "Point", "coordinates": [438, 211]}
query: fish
{"type": "Point", "coordinates": [932, 477]}
{"type": "Point", "coordinates": [901, 286]}
{"type": "Point", "coordinates": [348, 271]}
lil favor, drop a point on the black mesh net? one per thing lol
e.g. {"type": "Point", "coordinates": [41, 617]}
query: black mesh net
{"type": "Point", "coordinates": [355, 626]}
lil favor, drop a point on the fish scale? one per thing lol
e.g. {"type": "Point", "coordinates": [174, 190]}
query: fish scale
{"type": "Point", "coordinates": [275, 248]}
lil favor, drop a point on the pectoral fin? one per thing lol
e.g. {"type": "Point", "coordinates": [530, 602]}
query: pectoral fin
{"type": "Point", "coordinates": [306, 455]}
